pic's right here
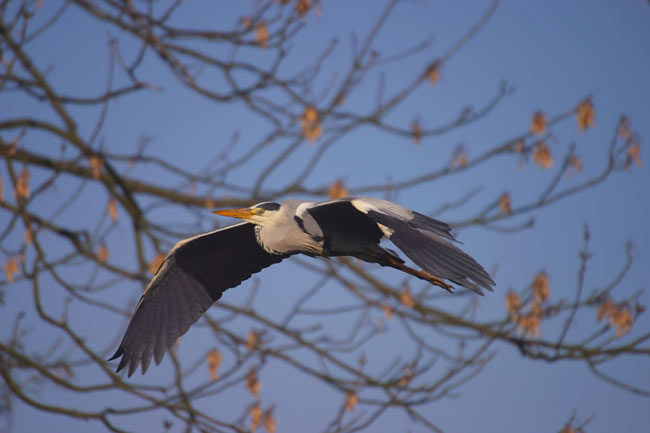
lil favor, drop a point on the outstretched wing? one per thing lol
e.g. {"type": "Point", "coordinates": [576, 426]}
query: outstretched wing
{"type": "Point", "coordinates": [191, 278]}
{"type": "Point", "coordinates": [423, 239]}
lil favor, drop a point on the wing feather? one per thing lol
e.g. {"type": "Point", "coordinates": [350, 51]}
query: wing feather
{"type": "Point", "coordinates": [435, 255]}
{"type": "Point", "coordinates": [414, 219]}
{"type": "Point", "coordinates": [423, 239]}
{"type": "Point", "coordinates": [192, 277]}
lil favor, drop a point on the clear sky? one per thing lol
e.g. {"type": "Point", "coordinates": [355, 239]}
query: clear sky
{"type": "Point", "coordinates": [554, 52]}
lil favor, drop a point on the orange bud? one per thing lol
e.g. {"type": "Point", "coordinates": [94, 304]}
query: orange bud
{"type": "Point", "coordinates": [11, 268]}
{"type": "Point", "coordinates": [542, 155]}
{"type": "Point", "coordinates": [253, 385]}
{"type": "Point", "coordinates": [96, 164]}
{"type": "Point", "coordinates": [416, 131]}
{"type": "Point", "coordinates": [505, 204]}
{"type": "Point", "coordinates": [586, 115]}
{"type": "Point", "coordinates": [262, 34]}
{"type": "Point", "coordinates": [102, 254]}
{"type": "Point", "coordinates": [538, 124]}
{"type": "Point", "coordinates": [337, 190]}
{"type": "Point", "coordinates": [214, 358]}
{"type": "Point", "coordinates": [350, 401]}
{"type": "Point", "coordinates": [309, 125]}
{"type": "Point", "coordinates": [406, 298]}
{"type": "Point", "coordinates": [112, 209]}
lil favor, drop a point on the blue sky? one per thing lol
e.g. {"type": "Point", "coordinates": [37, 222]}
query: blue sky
{"type": "Point", "coordinates": [554, 52]}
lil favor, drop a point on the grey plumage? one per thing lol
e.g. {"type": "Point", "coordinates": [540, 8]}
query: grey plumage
{"type": "Point", "coordinates": [198, 270]}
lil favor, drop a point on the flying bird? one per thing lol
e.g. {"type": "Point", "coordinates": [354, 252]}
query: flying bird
{"type": "Point", "coordinates": [198, 270]}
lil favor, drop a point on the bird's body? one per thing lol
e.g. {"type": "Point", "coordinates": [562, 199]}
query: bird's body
{"type": "Point", "coordinates": [198, 270]}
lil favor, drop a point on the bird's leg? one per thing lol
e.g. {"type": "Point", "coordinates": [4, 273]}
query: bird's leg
{"type": "Point", "coordinates": [423, 275]}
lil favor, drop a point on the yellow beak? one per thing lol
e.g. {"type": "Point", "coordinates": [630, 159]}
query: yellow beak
{"type": "Point", "coordinates": [236, 213]}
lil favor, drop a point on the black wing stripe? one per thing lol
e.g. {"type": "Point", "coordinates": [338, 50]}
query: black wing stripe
{"type": "Point", "coordinates": [192, 277]}
{"type": "Point", "coordinates": [341, 218]}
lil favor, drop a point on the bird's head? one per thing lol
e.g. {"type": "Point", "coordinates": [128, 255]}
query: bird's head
{"type": "Point", "coordinates": [261, 214]}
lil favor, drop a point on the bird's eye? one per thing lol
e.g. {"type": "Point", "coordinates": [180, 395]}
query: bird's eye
{"type": "Point", "coordinates": [260, 211]}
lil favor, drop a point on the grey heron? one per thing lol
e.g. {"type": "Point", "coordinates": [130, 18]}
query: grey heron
{"type": "Point", "coordinates": [198, 270]}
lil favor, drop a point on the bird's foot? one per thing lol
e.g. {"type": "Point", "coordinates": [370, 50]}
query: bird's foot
{"type": "Point", "coordinates": [436, 281]}
{"type": "Point", "coordinates": [422, 274]}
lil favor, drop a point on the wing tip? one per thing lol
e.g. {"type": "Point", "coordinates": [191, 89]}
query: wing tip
{"type": "Point", "coordinates": [133, 366]}
{"type": "Point", "coordinates": [476, 283]}
{"type": "Point", "coordinates": [117, 354]}
{"type": "Point", "coordinates": [128, 360]}
{"type": "Point", "coordinates": [124, 361]}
